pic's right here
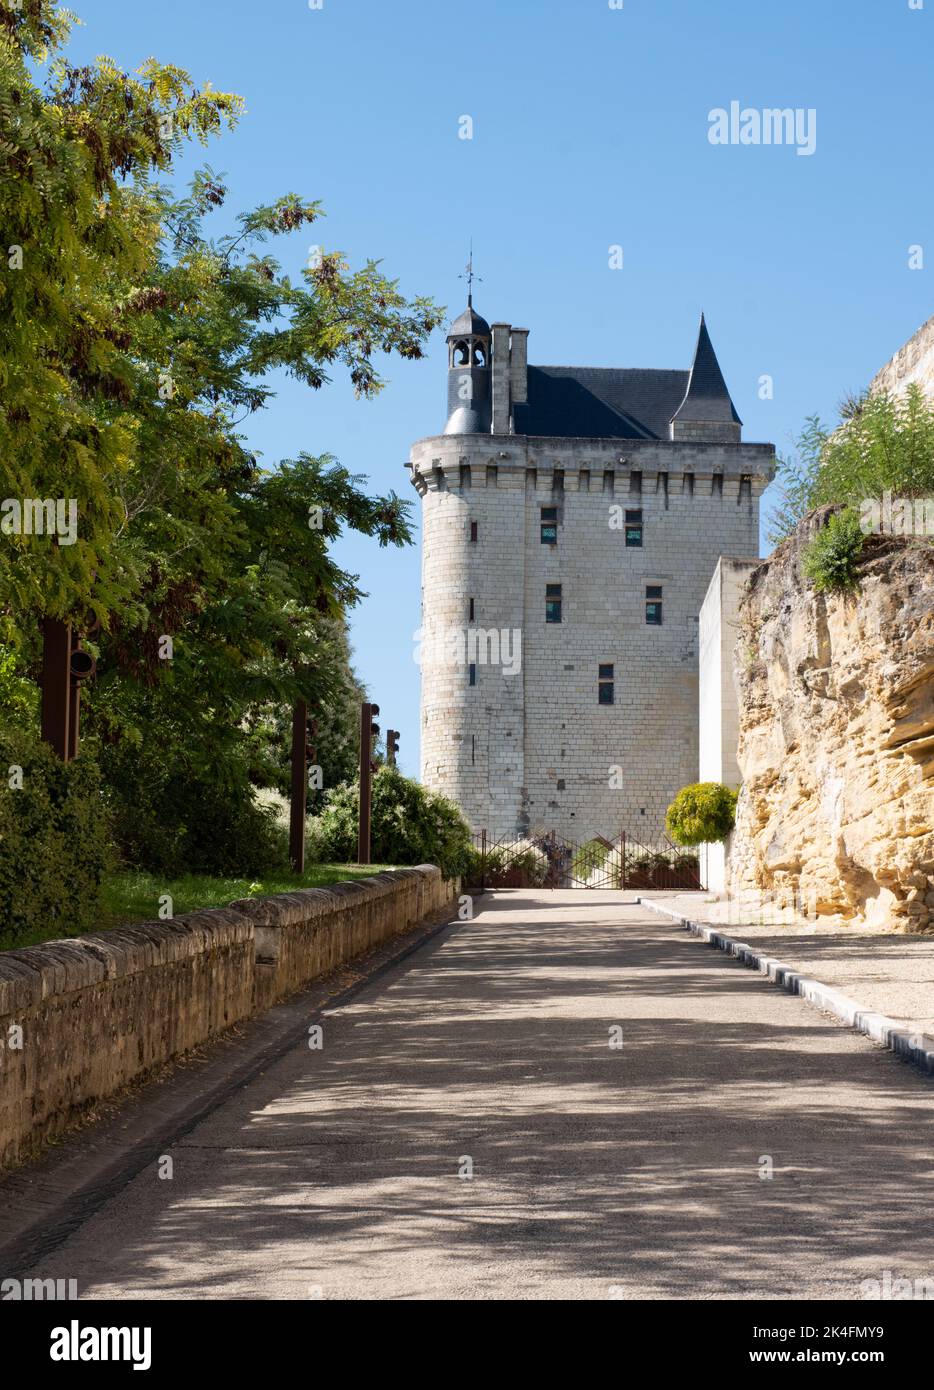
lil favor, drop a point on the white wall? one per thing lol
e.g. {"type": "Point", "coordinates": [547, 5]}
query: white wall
{"type": "Point", "coordinates": [718, 708]}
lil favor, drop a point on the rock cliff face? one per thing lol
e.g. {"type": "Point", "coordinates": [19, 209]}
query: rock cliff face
{"type": "Point", "coordinates": [913, 363]}
{"type": "Point", "coordinates": [836, 736]}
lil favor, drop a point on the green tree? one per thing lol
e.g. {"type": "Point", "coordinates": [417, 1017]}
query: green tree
{"type": "Point", "coordinates": [133, 346]}
{"type": "Point", "coordinates": [80, 235]}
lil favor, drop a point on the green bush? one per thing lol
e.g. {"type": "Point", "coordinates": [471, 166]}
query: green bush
{"type": "Point", "coordinates": [701, 814]}
{"type": "Point", "coordinates": [55, 840]}
{"type": "Point", "coordinates": [170, 820]}
{"type": "Point", "coordinates": [409, 825]}
{"type": "Point", "coordinates": [589, 858]}
{"type": "Point", "coordinates": [831, 559]}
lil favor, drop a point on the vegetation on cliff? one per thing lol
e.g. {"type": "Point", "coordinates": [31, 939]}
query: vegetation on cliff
{"type": "Point", "coordinates": [873, 472]}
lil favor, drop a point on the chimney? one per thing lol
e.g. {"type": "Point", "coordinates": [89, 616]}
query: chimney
{"type": "Point", "coordinates": [519, 366]}
{"type": "Point", "coordinates": [502, 411]}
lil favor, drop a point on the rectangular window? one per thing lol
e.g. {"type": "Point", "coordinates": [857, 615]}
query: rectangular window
{"type": "Point", "coordinates": [605, 688]}
{"type": "Point", "coordinates": [465, 475]}
{"type": "Point", "coordinates": [471, 618]}
{"type": "Point", "coordinates": [653, 605]}
{"type": "Point", "coordinates": [473, 530]}
{"type": "Point", "coordinates": [472, 673]}
{"type": "Point", "coordinates": [552, 603]}
{"type": "Point", "coordinates": [549, 525]}
{"type": "Point", "coordinates": [633, 527]}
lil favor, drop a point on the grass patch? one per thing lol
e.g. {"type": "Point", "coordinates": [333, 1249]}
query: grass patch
{"type": "Point", "coordinates": [132, 896]}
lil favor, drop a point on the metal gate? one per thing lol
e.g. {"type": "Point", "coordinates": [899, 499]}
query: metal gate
{"type": "Point", "coordinates": [624, 862]}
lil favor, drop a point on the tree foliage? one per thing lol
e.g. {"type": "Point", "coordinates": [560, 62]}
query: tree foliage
{"type": "Point", "coordinates": [135, 342]}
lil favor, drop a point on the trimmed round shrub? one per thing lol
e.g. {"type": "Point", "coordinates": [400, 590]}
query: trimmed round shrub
{"type": "Point", "coordinates": [701, 814]}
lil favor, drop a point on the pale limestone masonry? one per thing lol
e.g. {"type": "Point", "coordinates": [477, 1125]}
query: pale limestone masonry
{"type": "Point", "coordinates": [912, 364]}
{"type": "Point", "coordinates": [532, 749]}
{"type": "Point", "coordinates": [718, 724]}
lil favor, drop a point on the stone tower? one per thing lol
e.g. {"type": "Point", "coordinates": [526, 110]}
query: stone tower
{"type": "Point", "coordinates": [573, 517]}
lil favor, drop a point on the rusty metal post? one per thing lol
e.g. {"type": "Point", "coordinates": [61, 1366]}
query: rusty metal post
{"type": "Point", "coordinates": [81, 666]}
{"type": "Point", "coordinates": [299, 799]}
{"type": "Point", "coordinates": [56, 687]}
{"type": "Point", "coordinates": [483, 861]}
{"type": "Point", "coordinates": [74, 719]}
{"type": "Point", "coordinates": [367, 710]}
{"type": "Point", "coordinates": [622, 859]}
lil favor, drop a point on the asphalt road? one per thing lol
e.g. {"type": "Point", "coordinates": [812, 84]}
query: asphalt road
{"type": "Point", "coordinates": [467, 1131]}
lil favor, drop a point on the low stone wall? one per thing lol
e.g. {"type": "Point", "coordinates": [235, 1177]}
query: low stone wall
{"type": "Point", "coordinates": [82, 1018]}
{"type": "Point", "coordinates": [302, 935]}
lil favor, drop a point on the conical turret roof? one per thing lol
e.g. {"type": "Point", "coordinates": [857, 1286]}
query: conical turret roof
{"type": "Point", "coordinates": [707, 397]}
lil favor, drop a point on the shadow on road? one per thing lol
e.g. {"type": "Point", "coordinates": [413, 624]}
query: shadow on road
{"type": "Point", "coordinates": [638, 1168]}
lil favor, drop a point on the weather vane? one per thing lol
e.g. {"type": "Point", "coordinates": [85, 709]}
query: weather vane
{"type": "Point", "coordinates": [469, 276]}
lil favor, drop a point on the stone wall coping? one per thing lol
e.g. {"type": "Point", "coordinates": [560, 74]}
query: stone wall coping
{"type": "Point", "coordinates": [29, 975]}
{"type": "Point", "coordinates": [34, 973]}
{"type": "Point", "coordinates": [305, 904]}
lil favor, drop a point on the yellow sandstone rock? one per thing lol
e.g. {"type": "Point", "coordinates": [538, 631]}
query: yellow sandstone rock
{"type": "Point", "coordinates": [836, 737]}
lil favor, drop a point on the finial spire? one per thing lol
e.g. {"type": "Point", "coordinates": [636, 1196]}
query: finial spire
{"type": "Point", "coordinates": [469, 276]}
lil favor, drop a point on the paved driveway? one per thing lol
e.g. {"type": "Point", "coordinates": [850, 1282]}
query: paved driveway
{"type": "Point", "coordinates": [597, 1171]}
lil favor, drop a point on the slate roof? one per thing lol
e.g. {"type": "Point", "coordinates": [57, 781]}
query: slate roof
{"type": "Point", "coordinates": [707, 397]}
{"type": "Point", "coordinates": [600, 402]}
{"type": "Point", "coordinates": [624, 402]}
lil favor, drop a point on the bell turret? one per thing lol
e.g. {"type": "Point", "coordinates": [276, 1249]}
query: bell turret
{"type": "Point", "coordinates": [469, 363]}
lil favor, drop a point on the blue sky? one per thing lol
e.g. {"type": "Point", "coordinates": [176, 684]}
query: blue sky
{"type": "Point", "coordinates": [590, 130]}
